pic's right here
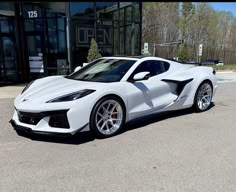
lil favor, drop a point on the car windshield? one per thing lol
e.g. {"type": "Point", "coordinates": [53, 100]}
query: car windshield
{"type": "Point", "coordinates": [103, 70]}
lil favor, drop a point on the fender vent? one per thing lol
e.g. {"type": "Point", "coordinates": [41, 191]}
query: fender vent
{"type": "Point", "coordinates": [180, 84]}
{"type": "Point", "coordinates": [214, 72]}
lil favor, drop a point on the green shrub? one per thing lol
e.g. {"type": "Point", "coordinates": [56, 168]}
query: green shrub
{"type": "Point", "coordinates": [183, 53]}
{"type": "Point", "coordinates": [225, 67]}
{"type": "Point", "coordinates": [93, 52]}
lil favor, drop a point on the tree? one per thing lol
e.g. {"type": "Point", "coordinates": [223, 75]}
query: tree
{"type": "Point", "coordinates": [187, 14]}
{"type": "Point", "coordinates": [195, 23]}
{"type": "Point", "coordinates": [161, 30]}
{"type": "Point", "coordinates": [93, 51]}
{"type": "Point", "coordinates": [183, 54]}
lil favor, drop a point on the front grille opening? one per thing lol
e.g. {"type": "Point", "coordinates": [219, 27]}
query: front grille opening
{"type": "Point", "coordinates": [59, 120]}
{"type": "Point", "coordinates": [29, 118]}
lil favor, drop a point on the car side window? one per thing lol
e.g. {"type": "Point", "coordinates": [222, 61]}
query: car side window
{"type": "Point", "coordinates": [165, 65]}
{"type": "Point", "coordinates": [152, 66]}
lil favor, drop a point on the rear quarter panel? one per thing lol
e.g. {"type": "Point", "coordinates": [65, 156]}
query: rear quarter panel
{"type": "Point", "coordinates": [199, 74]}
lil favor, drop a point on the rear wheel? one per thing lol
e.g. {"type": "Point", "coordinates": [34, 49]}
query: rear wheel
{"type": "Point", "coordinates": [203, 97]}
{"type": "Point", "coordinates": [108, 117]}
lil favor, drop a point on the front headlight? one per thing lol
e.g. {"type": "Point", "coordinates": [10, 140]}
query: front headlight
{"type": "Point", "coordinates": [27, 87]}
{"type": "Point", "coordinates": [72, 96]}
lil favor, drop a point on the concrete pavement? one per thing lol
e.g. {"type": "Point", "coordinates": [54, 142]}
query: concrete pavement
{"type": "Point", "coordinates": [10, 91]}
{"type": "Point", "coordinates": [226, 76]}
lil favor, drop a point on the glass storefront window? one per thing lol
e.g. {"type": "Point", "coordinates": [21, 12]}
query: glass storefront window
{"type": "Point", "coordinates": [82, 9]}
{"type": "Point", "coordinates": [6, 6]}
{"type": "Point", "coordinates": [116, 15]}
{"type": "Point", "coordinates": [37, 10]}
{"type": "Point", "coordinates": [114, 25]}
{"type": "Point", "coordinates": [62, 42]}
{"type": "Point", "coordinates": [31, 11]}
{"type": "Point", "coordinates": [122, 14]}
{"type": "Point", "coordinates": [128, 13]}
{"type": "Point", "coordinates": [38, 24]}
{"type": "Point", "coordinates": [61, 23]}
{"type": "Point", "coordinates": [106, 6]}
{"type": "Point", "coordinates": [7, 58]}
{"type": "Point", "coordinates": [104, 10]}
{"type": "Point", "coordinates": [33, 25]}
{"type": "Point", "coordinates": [4, 26]}
{"type": "Point", "coordinates": [29, 25]}
{"type": "Point", "coordinates": [136, 12]}
{"type": "Point", "coordinates": [122, 40]}
{"type": "Point", "coordinates": [7, 9]}
{"type": "Point", "coordinates": [49, 13]}
{"type": "Point", "coordinates": [54, 9]}
{"type": "Point", "coordinates": [8, 61]}
{"type": "Point", "coordinates": [116, 41]}
{"type": "Point", "coordinates": [128, 39]}
{"type": "Point", "coordinates": [125, 4]}
{"type": "Point", "coordinates": [137, 39]}
{"type": "Point", "coordinates": [52, 23]}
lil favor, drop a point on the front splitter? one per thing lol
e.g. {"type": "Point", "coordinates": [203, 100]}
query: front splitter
{"type": "Point", "coordinates": [30, 131]}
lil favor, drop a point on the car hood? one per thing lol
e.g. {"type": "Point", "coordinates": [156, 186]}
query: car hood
{"type": "Point", "coordinates": [51, 87]}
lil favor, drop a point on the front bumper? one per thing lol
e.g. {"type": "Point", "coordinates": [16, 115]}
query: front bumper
{"type": "Point", "coordinates": [46, 123]}
{"type": "Point", "coordinates": [215, 88]}
{"type": "Point", "coordinates": [30, 131]}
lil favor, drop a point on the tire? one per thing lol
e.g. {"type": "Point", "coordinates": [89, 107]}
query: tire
{"type": "Point", "coordinates": [108, 117]}
{"type": "Point", "coordinates": [203, 97]}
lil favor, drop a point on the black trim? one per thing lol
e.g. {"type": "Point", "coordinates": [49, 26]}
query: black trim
{"type": "Point", "coordinates": [20, 128]}
{"type": "Point", "coordinates": [59, 121]}
{"type": "Point", "coordinates": [34, 118]}
{"type": "Point", "coordinates": [180, 84]}
{"type": "Point", "coordinates": [214, 72]}
{"type": "Point", "coordinates": [30, 131]}
{"type": "Point", "coordinates": [29, 118]}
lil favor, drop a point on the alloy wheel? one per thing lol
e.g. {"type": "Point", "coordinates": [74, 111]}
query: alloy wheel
{"type": "Point", "coordinates": [204, 96]}
{"type": "Point", "coordinates": [109, 117]}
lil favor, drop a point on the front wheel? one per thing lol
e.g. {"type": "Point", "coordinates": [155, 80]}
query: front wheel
{"type": "Point", "coordinates": [203, 97]}
{"type": "Point", "coordinates": [108, 117]}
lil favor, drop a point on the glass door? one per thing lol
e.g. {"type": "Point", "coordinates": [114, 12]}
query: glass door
{"type": "Point", "coordinates": [8, 70]}
{"type": "Point", "coordinates": [35, 55]}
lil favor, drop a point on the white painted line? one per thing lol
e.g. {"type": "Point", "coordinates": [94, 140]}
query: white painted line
{"type": "Point", "coordinates": [224, 72]}
{"type": "Point", "coordinates": [219, 82]}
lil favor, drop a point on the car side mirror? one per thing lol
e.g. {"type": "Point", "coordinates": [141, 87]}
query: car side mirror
{"type": "Point", "coordinates": [141, 76]}
{"type": "Point", "coordinates": [77, 68]}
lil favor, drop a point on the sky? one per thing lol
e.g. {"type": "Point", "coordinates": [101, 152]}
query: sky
{"type": "Point", "coordinates": [227, 6]}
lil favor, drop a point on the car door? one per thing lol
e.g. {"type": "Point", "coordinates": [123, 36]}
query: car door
{"type": "Point", "coordinates": [151, 95]}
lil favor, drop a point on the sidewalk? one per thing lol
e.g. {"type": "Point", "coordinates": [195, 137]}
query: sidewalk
{"type": "Point", "coordinates": [226, 76]}
{"type": "Point", "coordinates": [10, 91]}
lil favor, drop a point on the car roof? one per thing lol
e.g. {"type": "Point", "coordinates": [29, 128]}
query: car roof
{"type": "Point", "coordinates": [124, 57]}
{"type": "Point", "coordinates": [141, 57]}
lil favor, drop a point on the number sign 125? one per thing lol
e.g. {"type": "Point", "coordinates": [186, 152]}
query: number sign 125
{"type": "Point", "coordinates": [32, 14]}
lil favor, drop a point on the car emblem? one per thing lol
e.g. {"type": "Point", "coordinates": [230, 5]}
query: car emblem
{"type": "Point", "coordinates": [25, 99]}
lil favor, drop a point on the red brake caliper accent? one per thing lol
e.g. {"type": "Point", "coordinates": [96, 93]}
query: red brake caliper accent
{"type": "Point", "coordinates": [113, 116]}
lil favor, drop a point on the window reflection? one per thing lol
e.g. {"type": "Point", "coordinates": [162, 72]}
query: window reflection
{"type": "Point", "coordinates": [4, 25]}
{"type": "Point", "coordinates": [110, 23]}
{"type": "Point", "coordinates": [82, 9]}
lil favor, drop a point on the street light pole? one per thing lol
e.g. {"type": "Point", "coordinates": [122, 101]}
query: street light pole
{"type": "Point", "coordinates": [154, 49]}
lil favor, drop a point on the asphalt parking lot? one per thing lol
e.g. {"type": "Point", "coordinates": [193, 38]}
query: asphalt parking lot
{"type": "Point", "coordinates": [181, 151]}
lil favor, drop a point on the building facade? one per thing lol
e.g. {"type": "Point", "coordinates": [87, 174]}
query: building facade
{"type": "Point", "coordinates": [41, 39]}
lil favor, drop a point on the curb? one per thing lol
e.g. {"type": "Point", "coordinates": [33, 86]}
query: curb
{"type": "Point", "coordinates": [224, 72]}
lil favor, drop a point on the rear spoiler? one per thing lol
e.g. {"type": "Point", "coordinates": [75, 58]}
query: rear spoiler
{"type": "Point", "coordinates": [197, 64]}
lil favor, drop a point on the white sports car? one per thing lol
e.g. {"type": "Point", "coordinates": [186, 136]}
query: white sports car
{"type": "Point", "coordinates": [109, 92]}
